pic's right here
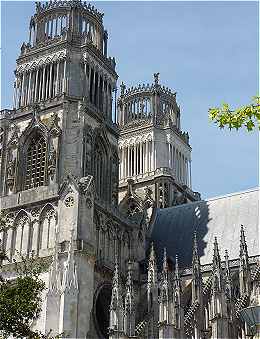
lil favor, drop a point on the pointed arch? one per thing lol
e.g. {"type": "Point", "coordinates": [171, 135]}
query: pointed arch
{"type": "Point", "coordinates": [33, 154]}
{"type": "Point", "coordinates": [21, 234]}
{"type": "Point", "coordinates": [47, 226]}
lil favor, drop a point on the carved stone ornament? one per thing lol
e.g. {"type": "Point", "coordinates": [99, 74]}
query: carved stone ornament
{"type": "Point", "coordinates": [35, 213]}
{"type": "Point", "coordinates": [69, 201]}
{"type": "Point", "coordinates": [11, 173]}
{"type": "Point", "coordinates": [89, 203]}
{"type": "Point", "coordinates": [55, 130]}
{"type": "Point", "coordinates": [52, 163]}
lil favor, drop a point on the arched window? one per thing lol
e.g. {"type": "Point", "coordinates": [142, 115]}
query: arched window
{"type": "Point", "coordinates": [35, 162]}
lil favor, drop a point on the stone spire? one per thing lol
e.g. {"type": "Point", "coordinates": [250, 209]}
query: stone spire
{"type": "Point", "coordinates": [228, 279]}
{"type": "Point", "coordinates": [116, 306]}
{"type": "Point", "coordinates": [129, 307]}
{"type": "Point", "coordinates": [196, 272]}
{"type": "Point", "coordinates": [164, 291]}
{"type": "Point", "coordinates": [216, 268]}
{"type": "Point", "coordinates": [152, 269]}
{"type": "Point", "coordinates": [177, 280]}
{"type": "Point", "coordinates": [219, 317]}
{"type": "Point", "coordinates": [166, 321]}
{"type": "Point", "coordinates": [177, 296]}
{"type": "Point", "coordinates": [244, 269]}
{"type": "Point", "coordinates": [152, 295]}
{"type": "Point", "coordinates": [216, 256]}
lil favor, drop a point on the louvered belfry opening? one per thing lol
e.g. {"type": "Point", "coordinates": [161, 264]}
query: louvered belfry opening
{"type": "Point", "coordinates": [35, 163]}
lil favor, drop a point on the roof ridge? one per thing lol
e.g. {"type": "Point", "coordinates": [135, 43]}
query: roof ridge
{"type": "Point", "coordinates": [250, 190]}
{"type": "Point", "coordinates": [210, 199]}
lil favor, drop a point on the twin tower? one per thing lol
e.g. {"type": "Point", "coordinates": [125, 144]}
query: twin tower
{"type": "Point", "coordinates": [66, 57]}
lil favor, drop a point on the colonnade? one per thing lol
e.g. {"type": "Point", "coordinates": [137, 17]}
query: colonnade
{"type": "Point", "coordinates": [98, 89]}
{"type": "Point", "coordinates": [54, 25]}
{"type": "Point", "coordinates": [180, 164]}
{"type": "Point", "coordinates": [136, 159]}
{"type": "Point", "coordinates": [40, 84]}
{"type": "Point", "coordinates": [138, 108]}
{"type": "Point", "coordinates": [26, 235]}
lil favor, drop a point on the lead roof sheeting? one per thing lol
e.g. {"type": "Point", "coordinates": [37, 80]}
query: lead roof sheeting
{"type": "Point", "coordinates": [222, 217]}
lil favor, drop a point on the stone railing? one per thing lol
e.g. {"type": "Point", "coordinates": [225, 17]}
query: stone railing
{"type": "Point", "coordinates": [232, 263]}
{"type": "Point", "coordinates": [41, 7]}
{"type": "Point", "coordinates": [6, 113]}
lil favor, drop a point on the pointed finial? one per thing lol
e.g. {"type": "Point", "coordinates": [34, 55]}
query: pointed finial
{"type": "Point", "coordinates": [227, 263]}
{"type": "Point", "coordinates": [177, 273]}
{"type": "Point", "coordinates": [115, 280]}
{"type": "Point", "coordinates": [243, 245]}
{"type": "Point", "coordinates": [129, 273]}
{"type": "Point", "coordinates": [226, 256]}
{"type": "Point", "coordinates": [165, 265]}
{"type": "Point", "coordinates": [195, 247]}
{"type": "Point", "coordinates": [216, 256]}
{"type": "Point", "coordinates": [152, 253]}
{"type": "Point", "coordinates": [123, 87]}
{"type": "Point", "coordinates": [156, 78]}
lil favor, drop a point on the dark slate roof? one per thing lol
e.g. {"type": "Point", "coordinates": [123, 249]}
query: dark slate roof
{"type": "Point", "coordinates": [222, 217]}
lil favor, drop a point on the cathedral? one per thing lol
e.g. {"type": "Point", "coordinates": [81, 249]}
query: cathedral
{"type": "Point", "coordinates": [99, 187]}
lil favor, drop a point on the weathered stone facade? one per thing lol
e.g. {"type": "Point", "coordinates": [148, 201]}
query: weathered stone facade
{"type": "Point", "coordinates": [81, 192]}
{"type": "Point", "coordinates": [152, 148]}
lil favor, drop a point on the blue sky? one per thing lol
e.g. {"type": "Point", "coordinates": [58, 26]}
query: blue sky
{"type": "Point", "coordinates": [206, 51]}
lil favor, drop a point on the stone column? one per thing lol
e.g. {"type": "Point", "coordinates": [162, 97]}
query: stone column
{"type": "Point", "coordinates": [22, 90]}
{"type": "Point", "coordinates": [40, 85]}
{"type": "Point", "coordinates": [190, 175]}
{"type": "Point", "coordinates": [147, 156]}
{"type": "Point", "coordinates": [128, 161]}
{"type": "Point", "coordinates": [56, 26]}
{"type": "Point", "coordinates": [89, 82]}
{"type": "Point", "coordinates": [86, 92]}
{"type": "Point", "coordinates": [64, 76]}
{"type": "Point", "coordinates": [98, 89]}
{"type": "Point", "coordinates": [94, 87]}
{"type": "Point", "coordinates": [50, 82]}
{"type": "Point", "coordinates": [51, 27]}
{"type": "Point", "coordinates": [43, 89]}
{"type": "Point", "coordinates": [35, 235]}
{"type": "Point", "coordinates": [131, 161]}
{"type": "Point", "coordinates": [29, 88]}
{"type": "Point", "coordinates": [15, 95]}
{"type": "Point", "coordinates": [120, 163]}
{"type": "Point", "coordinates": [105, 43]}
{"type": "Point", "coordinates": [153, 155]}
{"type": "Point", "coordinates": [57, 77]}
{"type": "Point", "coordinates": [135, 162]}
{"type": "Point", "coordinates": [36, 85]}
{"type": "Point", "coordinates": [123, 162]}
{"type": "Point", "coordinates": [141, 158]}
{"type": "Point", "coordinates": [169, 155]}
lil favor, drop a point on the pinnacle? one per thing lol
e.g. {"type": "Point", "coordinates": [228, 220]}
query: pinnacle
{"type": "Point", "coordinates": [165, 265]}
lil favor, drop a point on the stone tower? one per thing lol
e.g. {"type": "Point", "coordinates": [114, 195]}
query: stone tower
{"type": "Point", "coordinates": [59, 168]}
{"type": "Point", "coordinates": [153, 150]}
